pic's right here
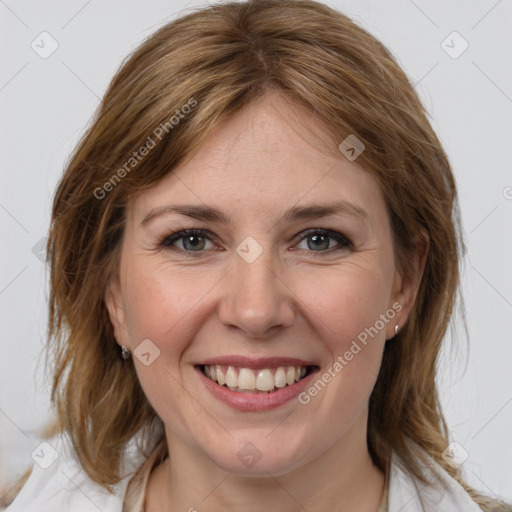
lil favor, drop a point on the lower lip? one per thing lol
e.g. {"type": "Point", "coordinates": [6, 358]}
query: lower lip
{"type": "Point", "coordinates": [246, 401]}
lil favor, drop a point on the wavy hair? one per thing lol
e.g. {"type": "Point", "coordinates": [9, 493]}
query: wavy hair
{"type": "Point", "coordinates": [224, 57]}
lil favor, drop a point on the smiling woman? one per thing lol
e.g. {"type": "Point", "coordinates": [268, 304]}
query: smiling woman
{"type": "Point", "coordinates": [251, 316]}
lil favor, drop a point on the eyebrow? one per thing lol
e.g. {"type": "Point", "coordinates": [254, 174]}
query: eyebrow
{"type": "Point", "coordinates": [212, 214]}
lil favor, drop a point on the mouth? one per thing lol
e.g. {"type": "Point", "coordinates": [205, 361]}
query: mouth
{"type": "Point", "coordinates": [259, 385]}
{"type": "Point", "coordinates": [250, 380]}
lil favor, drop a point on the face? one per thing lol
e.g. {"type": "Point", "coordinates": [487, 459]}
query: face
{"type": "Point", "coordinates": [267, 289]}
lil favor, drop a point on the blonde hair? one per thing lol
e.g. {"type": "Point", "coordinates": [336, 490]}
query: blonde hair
{"type": "Point", "coordinates": [224, 57]}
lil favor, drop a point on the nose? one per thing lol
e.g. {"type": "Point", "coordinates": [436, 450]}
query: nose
{"type": "Point", "coordinates": [256, 297]}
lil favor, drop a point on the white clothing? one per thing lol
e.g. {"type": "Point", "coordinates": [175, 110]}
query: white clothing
{"type": "Point", "coordinates": [64, 487]}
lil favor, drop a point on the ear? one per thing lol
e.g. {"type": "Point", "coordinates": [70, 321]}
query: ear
{"type": "Point", "coordinates": [406, 283]}
{"type": "Point", "coordinates": [114, 304]}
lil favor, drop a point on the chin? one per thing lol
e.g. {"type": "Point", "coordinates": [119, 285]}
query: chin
{"type": "Point", "coordinates": [258, 457]}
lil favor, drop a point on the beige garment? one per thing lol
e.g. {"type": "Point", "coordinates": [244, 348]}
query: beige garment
{"type": "Point", "coordinates": [135, 496]}
{"type": "Point", "coordinates": [383, 507]}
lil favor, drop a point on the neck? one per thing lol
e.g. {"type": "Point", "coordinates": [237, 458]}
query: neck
{"type": "Point", "coordinates": [342, 479]}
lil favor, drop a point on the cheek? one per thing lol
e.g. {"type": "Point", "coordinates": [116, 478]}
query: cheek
{"type": "Point", "coordinates": [159, 299]}
{"type": "Point", "coordinates": [347, 306]}
{"type": "Point", "coordinates": [347, 302]}
{"type": "Point", "coordinates": [159, 306]}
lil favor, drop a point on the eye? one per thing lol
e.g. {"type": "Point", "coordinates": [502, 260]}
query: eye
{"type": "Point", "coordinates": [319, 239]}
{"type": "Point", "coordinates": [193, 240]}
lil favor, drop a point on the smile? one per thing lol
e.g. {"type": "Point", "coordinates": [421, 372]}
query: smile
{"type": "Point", "coordinates": [256, 385]}
{"type": "Point", "coordinates": [249, 380]}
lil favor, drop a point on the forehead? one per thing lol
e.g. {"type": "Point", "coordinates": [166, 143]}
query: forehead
{"type": "Point", "coordinates": [268, 157]}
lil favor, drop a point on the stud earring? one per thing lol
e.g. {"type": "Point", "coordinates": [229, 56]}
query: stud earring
{"type": "Point", "coordinates": [396, 329]}
{"type": "Point", "coordinates": [125, 353]}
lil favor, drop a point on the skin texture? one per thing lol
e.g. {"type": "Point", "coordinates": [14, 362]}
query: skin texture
{"type": "Point", "coordinates": [294, 300]}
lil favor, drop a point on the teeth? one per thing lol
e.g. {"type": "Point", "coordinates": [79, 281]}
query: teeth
{"type": "Point", "coordinates": [290, 375]}
{"type": "Point", "coordinates": [280, 378]}
{"type": "Point", "coordinates": [231, 378]}
{"type": "Point", "coordinates": [247, 379]}
{"type": "Point", "coordinates": [264, 380]}
{"type": "Point", "coordinates": [220, 376]}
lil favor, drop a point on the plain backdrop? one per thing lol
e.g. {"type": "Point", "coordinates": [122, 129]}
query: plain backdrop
{"type": "Point", "coordinates": [465, 81]}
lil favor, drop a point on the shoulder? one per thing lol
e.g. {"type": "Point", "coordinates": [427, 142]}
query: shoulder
{"type": "Point", "coordinates": [408, 494]}
{"type": "Point", "coordinates": [57, 482]}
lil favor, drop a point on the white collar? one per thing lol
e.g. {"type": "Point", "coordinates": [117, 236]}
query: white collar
{"type": "Point", "coordinates": [408, 494]}
{"type": "Point", "coordinates": [65, 486]}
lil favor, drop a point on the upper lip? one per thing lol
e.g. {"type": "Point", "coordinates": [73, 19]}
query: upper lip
{"type": "Point", "coordinates": [256, 363]}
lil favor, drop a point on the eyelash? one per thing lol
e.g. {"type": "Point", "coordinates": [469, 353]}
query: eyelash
{"type": "Point", "coordinates": [167, 241]}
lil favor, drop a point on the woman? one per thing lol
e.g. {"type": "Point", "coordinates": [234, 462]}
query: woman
{"type": "Point", "coordinates": [254, 259]}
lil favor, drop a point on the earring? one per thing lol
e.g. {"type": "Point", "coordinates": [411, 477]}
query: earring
{"type": "Point", "coordinates": [125, 353]}
{"type": "Point", "coordinates": [396, 329]}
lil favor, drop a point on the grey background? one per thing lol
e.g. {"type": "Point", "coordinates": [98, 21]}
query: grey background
{"type": "Point", "coordinates": [47, 103]}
